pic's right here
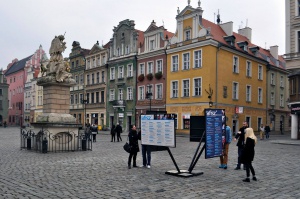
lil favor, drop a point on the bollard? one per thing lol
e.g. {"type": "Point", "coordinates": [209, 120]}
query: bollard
{"type": "Point", "coordinates": [44, 146]}
{"type": "Point", "coordinates": [29, 143]}
{"type": "Point", "coordinates": [83, 144]}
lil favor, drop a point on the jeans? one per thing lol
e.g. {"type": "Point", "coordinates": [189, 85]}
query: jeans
{"type": "Point", "coordinates": [240, 150]}
{"type": "Point", "coordinates": [146, 149]}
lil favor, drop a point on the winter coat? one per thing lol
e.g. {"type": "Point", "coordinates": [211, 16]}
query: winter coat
{"type": "Point", "coordinates": [240, 137]}
{"type": "Point", "coordinates": [118, 129]}
{"type": "Point", "coordinates": [248, 151]}
{"type": "Point", "coordinates": [133, 141]}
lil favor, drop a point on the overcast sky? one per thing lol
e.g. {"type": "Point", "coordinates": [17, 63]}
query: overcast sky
{"type": "Point", "coordinates": [26, 24]}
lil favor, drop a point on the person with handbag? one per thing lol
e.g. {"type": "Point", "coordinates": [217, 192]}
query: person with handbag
{"type": "Point", "coordinates": [248, 153]}
{"type": "Point", "coordinates": [134, 145]}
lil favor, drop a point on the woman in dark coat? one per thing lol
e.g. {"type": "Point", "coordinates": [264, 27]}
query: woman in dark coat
{"type": "Point", "coordinates": [133, 142]}
{"type": "Point", "coordinates": [113, 133]}
{"type": "Point", "coordinates": [248, 153]}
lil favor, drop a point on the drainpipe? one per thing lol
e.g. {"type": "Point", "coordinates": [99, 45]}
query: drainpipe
{"type": "Point", "coordinates": [267, 92]}
{"type": "Point", "coordinates": [217, 56]}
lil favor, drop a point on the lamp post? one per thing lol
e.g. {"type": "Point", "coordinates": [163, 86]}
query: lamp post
{"type": "Point", "coordinates": [149, 95]}
{"type": "Point", "coordinates": [84, 102]}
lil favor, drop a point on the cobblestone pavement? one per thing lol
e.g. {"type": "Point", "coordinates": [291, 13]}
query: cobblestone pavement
{"type": "Point", "coordinates": [103, 172]}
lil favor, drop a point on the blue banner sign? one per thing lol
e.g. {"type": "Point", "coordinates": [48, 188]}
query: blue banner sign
{"type": "Point", "coordinates": [215, 132]}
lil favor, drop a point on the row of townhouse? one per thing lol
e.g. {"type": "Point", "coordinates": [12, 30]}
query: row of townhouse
{"type": "Point", "coordinates": [202, 65]}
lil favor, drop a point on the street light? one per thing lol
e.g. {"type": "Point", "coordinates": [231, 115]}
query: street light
{"type": "Point", "coordinates": [149, 96]}
{"type": "Point", "coordinates": [84, 101]}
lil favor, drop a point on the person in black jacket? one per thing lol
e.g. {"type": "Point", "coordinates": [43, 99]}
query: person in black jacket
{"type": "Point", "coordinates": [134, 144]}
{"type": "Point", "coordinates": [267, 131]}
{"type": "Point", "coordinates": [240, 136]}
{"type": "Point", "coordinates": [94, 131]}
{"type": "Point", "coordinates": [113, 133]}
{"type": "Point", "coordinates": [248, 154]}
{"type": "Point", "coordinates": [119, 131]}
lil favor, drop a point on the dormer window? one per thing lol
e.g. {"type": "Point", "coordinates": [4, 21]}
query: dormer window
{"type": "Point", "coordinates": [243, 45]}
{"type": "Point", "coordinates": [230, 40]}
{"type": "Point", "coordinates": [152, 45]}
{"type": "Point", "coordinates": [254, 50]}
{"type": "Point", "coordinates": [187, 35]}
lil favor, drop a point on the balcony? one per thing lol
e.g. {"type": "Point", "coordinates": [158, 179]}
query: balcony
{"type": "Point", "coordinates": [95, 105]}
{"type": "Point", "coordinates": [118, 103]}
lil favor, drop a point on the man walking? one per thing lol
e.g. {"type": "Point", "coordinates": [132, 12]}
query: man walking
{"type": "Point", "coordinates": [224, 157]}
{"type": "Point", "coordinates": [240, 136]}
{"type": "Point", "coordinates": [119, 131]}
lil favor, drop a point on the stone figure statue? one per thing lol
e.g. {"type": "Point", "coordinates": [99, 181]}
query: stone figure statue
{"type": "Point", "coordinates": [57, 64]}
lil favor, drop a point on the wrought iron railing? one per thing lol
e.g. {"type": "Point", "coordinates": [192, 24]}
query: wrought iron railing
{"type": "Point", "coordinates": [44, 141]}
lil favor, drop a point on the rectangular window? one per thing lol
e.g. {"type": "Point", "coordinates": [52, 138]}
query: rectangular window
{"type": "Point", "coordinates": [174, 63]}
{"type": "Point", "coordinates": [151, 44]}
{"type": "Point", "coordinates": [142, 69]}
{"type": "Point", "coordinates": [112, 73]}
{"type": "Point", "coordinates": [159, 66]}
{"type": "Point", "coordinates": [197, 87]}
{"type": "Point", "coordinates": [281, 100]}
{"type": "Point", "coordinates": [111, 95]}
{"type": "Point", "coordinates": [81, 78]}
{"type": "Point", "coordinates": [248, 120]}
{"type": "Point", "coordinates": [260, 95]}
{"type": "Point", "coordinates": [87, 79]}
{"type": "Point", "coordinates": [150, 67]}
{"type": "Point", "coordinates": [129, 93]}
{"type": "Point", "coordinates": [186, 61]}
{"type": "Point", "coordinates": [93, 80]}
{"type": "Point", "coordinates": [76, 98]}
{"type": "Point", "coordinates": [293, 86]}
{"type": "Point", "coordinates": [72, 99]}
{"type": "Point", "coordinates": [185, 88]}
{"type": "Point", "coordinates": [235, 90]}
{"type": "Point", "coordinates": [158, 90]}
{"type": "Point", "coordinates": [198, 59]}
{"type": "Point", "coordinates": [98, 77]}
{"type": "Point", "coordinates": [248, 93]}
{"type": "Point", "coordinates": [149, 91]}
{"type": "Point", "coordinates": [81, 97]}
{"type": "Point", "coordinates": [72, 64]}
{"type": "Point", "coordinates": [97, 97]}
{"type": "Point", "coordinates": [248, 69]}
{"type": "Point", "coordinates": [235, 64]}
{"type": "Point", "coordinates": [260, 72]}
{"type": "Point", "coordinates": [102, 97]}
{"type": "Point", "coordinates": [298, 41]}
{"type": "Point", "coordinates": [76, 79]}
{"type": "Point", "coordinates": [88, 98]}
{"type": "Point", "coordinates": [77, 63]}
{"type": "Point", "coordinates": [92, 97]}
{"type": "Point", "coordinates": [121, 72]}
{"type": "Point", "coordinates": [174, 89]}
{"type": "Point", "coordinates": [120, 94]}
{"type": "Point", "coordinates": [129, 70]}
{"type": "Point", "coordinates": [102, 76]}
{"type": "Point", "coordinates": [187, 35]}
{"type": "Point", "coordinates": [272, 79]}
{"type": "Point", "coordinates": [272, 98]}
{"type": "Point", "coordinates": [281, 82]}
{"type": "Point", "coordinates": [141, 93]}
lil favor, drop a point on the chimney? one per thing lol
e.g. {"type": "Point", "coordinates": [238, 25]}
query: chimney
{"type": "Point", "coordinates": [227, 28]}
{"type": "Point", "coordinates": [247, 32]}
{"type": "Point", "coordinates": [274, 51]}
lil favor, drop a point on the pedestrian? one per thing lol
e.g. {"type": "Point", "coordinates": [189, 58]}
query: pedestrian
{"type": "Point", "coordinates": [5, 124]}
{"type": "Point", "coordinates": [224, 156]}
{"type": "Point", "coordinates": [281, 127]}
{"type": "Point", "coordinates": [134, 144]}
{"type": "Point", "coordinates": [248, 154]}
{"type": "Point", "coordinates": [87, 131]}
{"type": "Point", "coordinates": [146, 153]}
{"type": "Point", "coordinates": [94, 131]}
{"type": "Point", "coordinates": [113, 133]}
{"type": "Point", "coordinates": [262, 132]}
{"type": "Point", "coordinates": [240, 136]}
{"type": "Point", "coordinates": [119, 131]}
{"type": "Point", "coordinates": [267, 131]}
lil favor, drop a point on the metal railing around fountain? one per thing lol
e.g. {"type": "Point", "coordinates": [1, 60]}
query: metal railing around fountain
{"type": "Point", "coordinates": [44, 141]}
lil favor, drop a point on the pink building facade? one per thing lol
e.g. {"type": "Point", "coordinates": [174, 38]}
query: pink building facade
{"type": "Point", "coordinates": [16, 75]}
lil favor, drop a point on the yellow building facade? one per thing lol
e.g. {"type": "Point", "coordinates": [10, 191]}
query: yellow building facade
{"type": "Point", "coordinates": [210, 66]}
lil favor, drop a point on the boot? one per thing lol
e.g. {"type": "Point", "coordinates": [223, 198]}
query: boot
{"type": "Point", "coordinates": [246, 180]}
{"type": "Point", "coordinates": [225, 166]}
{"type": "Point", "coordinates": [221, 166]}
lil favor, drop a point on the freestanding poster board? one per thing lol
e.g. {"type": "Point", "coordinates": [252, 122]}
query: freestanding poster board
{"type": "Point", "coordinates": [215, 132]}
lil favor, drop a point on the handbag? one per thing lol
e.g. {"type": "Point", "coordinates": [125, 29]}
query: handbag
{"type": "Point", "coordinates": [127, 147]}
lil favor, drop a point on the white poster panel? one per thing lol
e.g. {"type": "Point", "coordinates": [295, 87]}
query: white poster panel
{"type": "Point", "coordinates": [157, 132]}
